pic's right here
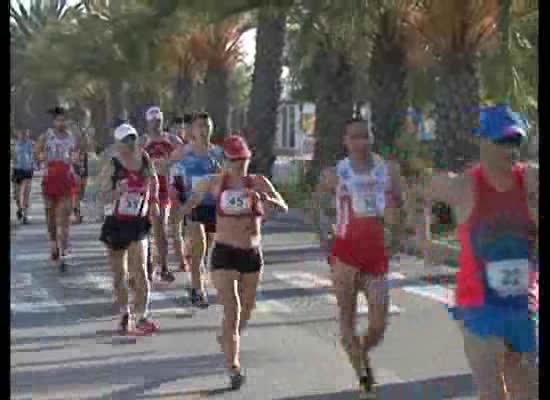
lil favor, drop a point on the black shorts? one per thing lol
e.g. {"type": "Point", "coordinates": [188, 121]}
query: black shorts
{"type": "Point", "coordinates": [19, 175]}
{"type": "Point", "coordinates": [205, 215]}
{"type": "Point", "coordinates": [118, 235]}
{"type": "Point", "coordinates": [233, 258]}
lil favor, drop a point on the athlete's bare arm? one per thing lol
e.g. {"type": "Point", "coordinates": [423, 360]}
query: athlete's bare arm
{"type": "Point", "coordinates": [106, 193]}
{"type": "Point", "coordinates": [39, 147]}
{"type": "Point", "coordinates": [322, 203]}
{"type": "Point", "coordinates": [201, 189]}
{"type": "Point", "coordinates": [532, 178]}
{"type": "Point", "coordinates": [392, 211]}
{"type": "Point", "coordinates": [154, 186]}
{"type": "Point", "coordinates": [273, 197]}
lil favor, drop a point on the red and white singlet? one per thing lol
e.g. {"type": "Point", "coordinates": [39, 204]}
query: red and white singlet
{"type": "Point", "coordinates": [59, 179]}
{"type": "Point", "coordinates": [360, 203]}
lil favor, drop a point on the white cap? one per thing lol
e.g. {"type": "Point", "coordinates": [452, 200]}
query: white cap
{"type": "Point", "coordinates": [124, 131]}
{"type": "Point", "coordinates": [153, 113]}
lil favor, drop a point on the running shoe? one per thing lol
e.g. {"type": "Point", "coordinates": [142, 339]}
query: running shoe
{"type": "Point", "coordinates": [25, 219]}
{"type": "Point", "coordinates": [54, 253]}
{"type": "Point", "coordinates": [198, 299]}
{"type": "Point", "coordinates": [366, 390]}
{"type": "Point", "coordinates": [124, 324]}
{"type": "Point", "coordinates": [236, 378]}
{"type": "Point", "coordinates": [167, 276]}
{"type": "Point", "coordinates": [19, 214]}
{"type": "Point", "coordinates": [148, 325]}
{"type": "Point", "coordinates": [125, 328]}
{"type": "Point", "coordinates": [367, 384]}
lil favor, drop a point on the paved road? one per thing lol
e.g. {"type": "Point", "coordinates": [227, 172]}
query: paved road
{"type": "Point", "coordinates": [62, 346]}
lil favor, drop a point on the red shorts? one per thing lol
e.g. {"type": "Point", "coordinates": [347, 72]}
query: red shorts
{"type": "Point", "coordinates": [58, 182]}
{"type": "Point", "coordinates": [362, 247]}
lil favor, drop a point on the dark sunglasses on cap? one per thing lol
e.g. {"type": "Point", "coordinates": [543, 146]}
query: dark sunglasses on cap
{"type": "Point", "coordinates": [236, 159]}
{"type": "Point", "coordinates": [130, 139]}
{"type": "Point", "coordinates": [512, 141]}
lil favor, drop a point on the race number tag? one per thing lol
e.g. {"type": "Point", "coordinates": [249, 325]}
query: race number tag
{"type": "Point", "coordinates": [509, 277]}
{"type": "Point", "coordinates": [130, 204]}
{"type": "Point", "coordinates": [235, 202]}
{"type": "Point", "coordinates": [364, 199]}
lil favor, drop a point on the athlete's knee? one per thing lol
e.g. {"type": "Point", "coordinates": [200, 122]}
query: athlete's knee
{"type": "Point", "coordinates": [375, 334]}
{"type": "Point", "coordinates": [247, 308]}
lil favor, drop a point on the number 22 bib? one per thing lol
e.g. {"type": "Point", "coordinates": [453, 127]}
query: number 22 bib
{"type": "Point", "coordinates": [509, 277]}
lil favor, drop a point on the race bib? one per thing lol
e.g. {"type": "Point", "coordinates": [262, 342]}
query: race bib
{"type": "Point", "coordinates": [130, 204]}
{"type": "Point", "coordinates": [364, 200]}
{"type": "Point", "coordinates": [235, 202]}
{"type": "Point", "coordinates": [509, 277]}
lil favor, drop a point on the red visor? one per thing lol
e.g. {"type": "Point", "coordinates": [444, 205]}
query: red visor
{"type": "Point", "coordinates": [235, 147]}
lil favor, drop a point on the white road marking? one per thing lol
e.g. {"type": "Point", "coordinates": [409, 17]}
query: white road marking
{"type": "Point", "coordinates": [307, 280]}
{"type": "Point", "coordinates": [263, 305]}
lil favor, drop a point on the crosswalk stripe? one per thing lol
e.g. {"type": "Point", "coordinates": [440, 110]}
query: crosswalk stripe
{"type": "Point", "coordinates": [307, 280]}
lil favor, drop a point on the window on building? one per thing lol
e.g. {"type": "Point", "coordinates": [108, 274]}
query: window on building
{"type": "Point", "coordinates": [284, 126]}
{"type": "Point", "coordinates": [292, 126]}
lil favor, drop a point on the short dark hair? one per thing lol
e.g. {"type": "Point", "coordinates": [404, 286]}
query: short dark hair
{"type": "Point", "coordinates": [57, 111]}
{"type": "Point", "coordinates": [187, 118]}
{"type": "Point", "coordinates": [200, 115]}
{"type": "Point", "coordinates": [206, 117]}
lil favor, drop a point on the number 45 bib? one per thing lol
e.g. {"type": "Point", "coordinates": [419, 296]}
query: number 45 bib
{"type": "Point", "coordinates": [235, 202]}
{"type": "Point", "coordinates": [509, 277]}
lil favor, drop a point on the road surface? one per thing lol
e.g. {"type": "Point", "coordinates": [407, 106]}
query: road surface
{"type": "Point", "coordinates": [62, 345]}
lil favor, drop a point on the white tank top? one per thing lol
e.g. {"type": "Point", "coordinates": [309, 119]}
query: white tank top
{"type": "Point", "coordinates": [58, 149]}
{"type": "Point", "coordinates": [360, 195]}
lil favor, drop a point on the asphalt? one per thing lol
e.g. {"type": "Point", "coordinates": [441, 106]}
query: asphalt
{"type": "Point", "coordinates": [63, 347]}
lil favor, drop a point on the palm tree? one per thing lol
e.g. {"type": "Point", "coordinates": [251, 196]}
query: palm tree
{"type": "Point", "coordinates": [328, 41]}
{"type": "Point", "coordinates": [456, 32]}
{"type": "Point", "coordinates": [218, 47]}
{"type": "Point", "coordinates": [32, 93]}
{"type": "Point", "coordinates": [392, 55]}
{"type": "Point", "coordinates": [266, 86]}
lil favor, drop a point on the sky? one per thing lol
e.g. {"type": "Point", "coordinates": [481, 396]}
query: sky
{"type": "Point", "coordinates": [248, 40]}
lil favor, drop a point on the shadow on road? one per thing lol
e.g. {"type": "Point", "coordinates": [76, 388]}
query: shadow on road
{"type": "Point", "coordinates": [204, 329]}
{"type": "Point", "coordinates": [159, 371]}
{"type": "Point", "coordinates": [440, 388]}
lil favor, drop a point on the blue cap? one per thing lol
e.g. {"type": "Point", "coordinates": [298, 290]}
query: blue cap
{"type": "Point", "coordinates": [500, 122]}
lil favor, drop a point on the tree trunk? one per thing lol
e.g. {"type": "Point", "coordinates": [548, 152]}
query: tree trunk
{"type": "Point", "coordinates": [266, 89]}
{"type": "Point", "coordinates": [333, 106]}
{"type": "Point", "coordinates": [100, 122]}
{"type": "Point", "coordinates": [387, 88]}
{"type": "Point", "coordinates": [183, 92]}
{"type": "Point", "coordinates": [118, 103]}
{"type": "Point", "coordinates": [457, 99]}
{"type": "Point", "coordinates": [217, 102]}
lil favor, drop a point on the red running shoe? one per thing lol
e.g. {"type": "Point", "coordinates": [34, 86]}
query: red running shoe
{"type": "Point", "coordinates": [148, 325]}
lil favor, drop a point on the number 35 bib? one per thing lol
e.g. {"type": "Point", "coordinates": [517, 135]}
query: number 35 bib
{"type": "Point", "coordinates": [509, 277]}
{"type": "Point", "coordinates": [235, 202]}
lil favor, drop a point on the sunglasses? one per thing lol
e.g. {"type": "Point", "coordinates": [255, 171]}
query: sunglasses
{"type": "Point", "coordinates": [130, 139]}
{"type": "Point", "coordinates": [513, 141]}
{"type": "Point", "coordinates": [235, 159]}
